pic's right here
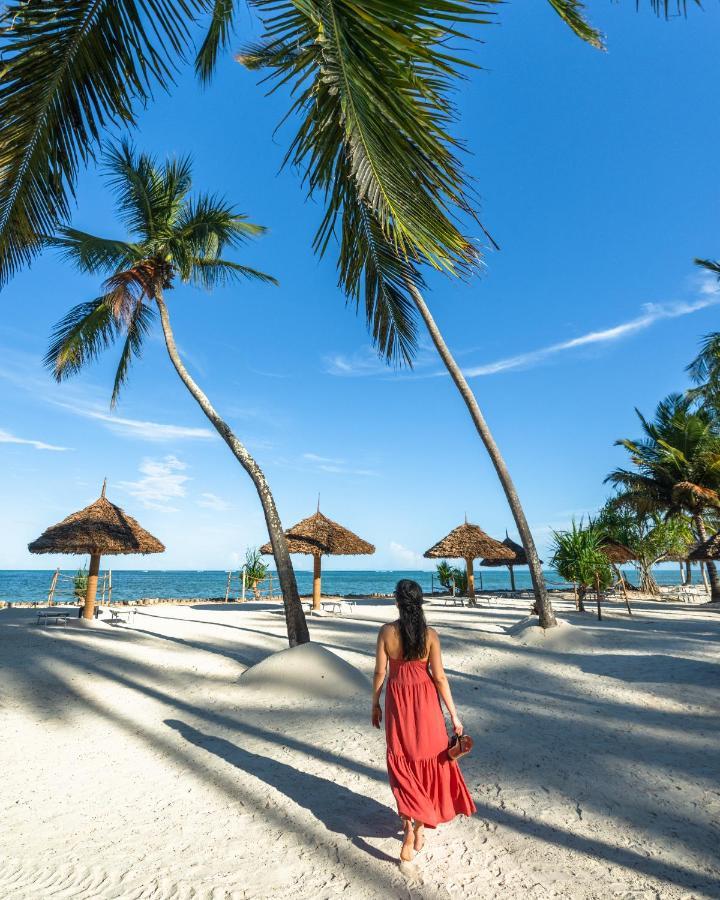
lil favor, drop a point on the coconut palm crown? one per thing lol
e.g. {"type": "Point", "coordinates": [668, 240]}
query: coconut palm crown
{"type": "Point", "coordinates": [176, 238]}
{"type": "Point", "coordinates": [677, 467]}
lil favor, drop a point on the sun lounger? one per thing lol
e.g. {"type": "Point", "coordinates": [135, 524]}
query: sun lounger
{"type": "Point", "coordinates": [454, 600]}
{"type": "Point", "coordinates": [61, 618]}
{"type": "Point", "coordinates": [122, 615]}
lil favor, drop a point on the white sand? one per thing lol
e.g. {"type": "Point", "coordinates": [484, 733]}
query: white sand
{"type": "Point", "coordinates": [139, 762]}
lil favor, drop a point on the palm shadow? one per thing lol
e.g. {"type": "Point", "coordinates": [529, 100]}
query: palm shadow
{"type": "Point", "coordinates": [337, 807]}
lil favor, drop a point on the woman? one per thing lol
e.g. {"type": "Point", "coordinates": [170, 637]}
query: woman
{"type": "Point", "coordinates": [427, 784]}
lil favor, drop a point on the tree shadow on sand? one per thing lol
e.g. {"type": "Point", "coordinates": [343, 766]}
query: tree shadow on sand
{"type": "Point", "coordinates": [338, 808]}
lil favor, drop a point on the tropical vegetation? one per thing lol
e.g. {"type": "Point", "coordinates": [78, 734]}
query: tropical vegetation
{"type": "Point", "coordinates": [371, 86]}
{"type": "Point", "coordinates": [675, 468]}
{"type": "Point", "coordinates": [174, 237]}
{"type": "Point", "coordinates": [255, 569]}
{"type": "Point", "coordinates": [578, 557]}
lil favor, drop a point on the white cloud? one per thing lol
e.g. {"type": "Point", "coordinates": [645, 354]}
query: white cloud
{"type": "Point", "coordinates": [163, 481]}
{"type": "Point", "coordinates": [140, 428]}
{"type": "Point", "coordinates": [365, 362]}
{"type": "Point", "coordinates": [334, 466]}
{"type": "Point", "coordinates": [405, 555]}
{"type": "Point", "coordinates": [212, 501]}
{"type": "Point", "coordinates": [7, 438]}
{"type": "Point", "coordinates": [652, 313]}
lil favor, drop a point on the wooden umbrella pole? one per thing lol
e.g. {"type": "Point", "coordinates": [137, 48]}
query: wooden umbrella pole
{"type": "Point", "coordinates": [109, 585]}
{"type": "Point", "coordinates": [512, 579]}
{"type": "Point", "coordinates": [53, 583]}
{"type": "Point", "coordinates": [470, 581]}
{"type": "Point", "coordinates": [89, 608]}
{"type": "Point", "coordinates": [317, 581]}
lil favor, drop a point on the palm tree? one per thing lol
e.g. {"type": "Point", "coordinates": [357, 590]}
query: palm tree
{"type": "Point", "coordinates": [651, 537]}
{"type": "Point", "coordinates": [373, 83]}
{"type": "Point", "coordinates": [175, 237]}
{"type": "Point", "coordinates": [676, 468]}
{"type": "Point", "coordinates": [578, 557]}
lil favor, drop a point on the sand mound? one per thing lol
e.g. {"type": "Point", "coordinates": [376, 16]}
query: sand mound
{"type": "Point", "coordinates": [306, 671]}
{"type": "Point", "coordinates": [565, 636]}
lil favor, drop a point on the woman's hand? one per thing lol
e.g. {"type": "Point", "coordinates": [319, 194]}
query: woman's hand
{"type": "Point", "coordinates": [376, 715]}
{"type": "Point", "coordinates": [457, 725]}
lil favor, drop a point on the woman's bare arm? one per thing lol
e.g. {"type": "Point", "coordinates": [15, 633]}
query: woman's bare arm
{"type": "Point", "coordinates": [381, 659]}
{"type": "Point", "coordinates": [441, 683]}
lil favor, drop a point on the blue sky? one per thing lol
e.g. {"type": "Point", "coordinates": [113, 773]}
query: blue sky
{"type": "Point", "coordinates": [597, 173]}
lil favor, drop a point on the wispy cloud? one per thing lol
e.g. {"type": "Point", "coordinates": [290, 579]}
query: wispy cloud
{"type": "Point", "coordinates": [25, 372]}
{"type": "Point", "coordinates": [652, 313]}
{"type": "Point", "coordinates": [334, 466]}
{"type": "Point", "coordinates": [212, 501]}
{"type": "Point", "coordinates": [7, 438]}
{"type": "Point", "coordinates": [365, 363]}
{"type": "Point", "coordinates": [404, 555]}
{"type": "Point", "coordinates": [141, 428]}
{"type": "Point", "coordinates": [163, 481]}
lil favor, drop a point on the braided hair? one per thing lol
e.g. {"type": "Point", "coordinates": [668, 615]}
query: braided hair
{"type": "Point", "coordinates": [412, 624]}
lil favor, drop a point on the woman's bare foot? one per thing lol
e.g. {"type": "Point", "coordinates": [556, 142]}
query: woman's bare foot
{"type": "Point", "coordinates": [406, 851]}
{"type": "Point", "coordinates": [419, 839]}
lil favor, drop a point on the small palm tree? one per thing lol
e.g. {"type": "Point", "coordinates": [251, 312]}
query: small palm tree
{"type": "Point", "coordinates": [176, 238]}
{"type": "Point", "coordinates": [256, 570]}
{"type": "Point", "coordinates": [676, 468]}
{"type": "Point", "coordinates": [445, 574]}
{"type": "Point", "coordinates": [578, 557]}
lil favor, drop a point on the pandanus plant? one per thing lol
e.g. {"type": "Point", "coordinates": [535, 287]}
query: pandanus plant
{"type": "Point", "coordinates": [175, 237]}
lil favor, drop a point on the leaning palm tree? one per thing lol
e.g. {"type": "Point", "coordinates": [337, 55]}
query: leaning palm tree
{"type": "Point", "coordinates": [390, 179]}
{"type": "Point", "coordinates": [376, 76]}
{"type": "Point", "coordinates": [176, 237]}
{"type": "Point", "coordinates": [676, 468]}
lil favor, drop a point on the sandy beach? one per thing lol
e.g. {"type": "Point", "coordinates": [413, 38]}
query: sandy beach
{"type": "Point", "coordinates": [137, 763]}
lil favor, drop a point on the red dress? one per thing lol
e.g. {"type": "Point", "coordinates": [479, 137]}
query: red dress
{"type": "Point", "coordinates": [428, 786]}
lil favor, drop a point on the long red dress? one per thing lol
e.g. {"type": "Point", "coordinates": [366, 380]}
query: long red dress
{"type": "Point", "coordinates": [428, 786]}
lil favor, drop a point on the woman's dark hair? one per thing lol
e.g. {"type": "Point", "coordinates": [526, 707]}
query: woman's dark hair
{"type": "Point", "coordinates": [413, 627]}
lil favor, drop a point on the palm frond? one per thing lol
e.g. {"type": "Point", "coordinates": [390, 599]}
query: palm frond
{"type": "Point", "coordinates": [572, 13]}
{"type": "Point", "coordinates": [212, 273]}
{"type": "Point", "coordinates": [138, 326]}
{"type": "Point", "coordinates": [712, 265]}
{"type": "Point", "coordinates": [80, 337]}
{"type": "Point", "coordinates": [90, 254]}
{"type": "Point", "coordinates": [216, 39]}
{"type": "Point", "coordinates": [665, 7]}
{"type": "Point", "coordinates": [373, 91]}
{"type": "Point", "coordinates": [72, 69]}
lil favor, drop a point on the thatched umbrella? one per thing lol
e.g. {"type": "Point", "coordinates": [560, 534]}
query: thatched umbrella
{"type": "Point", "coordinates": [519, 559]}
{"type": "Point", "coordinates": [100, 529]}
{"type": "Point", "coordinates": [469, 542]}
{"type": "Point", "coordinates": [319, 536]}
{"type": "Point", "coordinates": [618, 554]}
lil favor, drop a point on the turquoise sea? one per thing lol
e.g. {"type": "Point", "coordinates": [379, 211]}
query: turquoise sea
{"type": "Point", "coordinates": [132, 584]}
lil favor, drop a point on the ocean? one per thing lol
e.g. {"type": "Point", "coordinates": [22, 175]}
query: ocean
{"type": "Point", "coordinates": [30, 585]}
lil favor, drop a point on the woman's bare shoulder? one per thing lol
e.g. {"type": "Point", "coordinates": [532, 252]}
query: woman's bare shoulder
{"type": "Point", "coordinates": [433, 636]}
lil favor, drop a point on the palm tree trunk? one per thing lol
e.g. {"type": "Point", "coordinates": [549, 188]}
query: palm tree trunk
{"type": "Point", "coordinates": [542, 601]}
{"type": "Point", "coordinates": [710, 566]}
{"type": "Point", "coordinates": [294, 616]}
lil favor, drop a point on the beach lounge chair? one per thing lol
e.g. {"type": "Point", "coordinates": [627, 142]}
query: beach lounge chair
{"type": "Point", "coordinates": [60, 618]}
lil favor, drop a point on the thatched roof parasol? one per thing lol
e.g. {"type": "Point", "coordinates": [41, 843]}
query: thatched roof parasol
{"type": "Point", "coordinates": [618, 554]}
{"type": "Point", "coordinates": [519, 559]}
{"type": "Point", "coordinates": [707, 550]}
{"type": "Point", "coordinates": [469, 542]}
{"type": "Point", "coordinates": [319, 536]}
{"type": "Point", "coordinates": [99, 529]}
